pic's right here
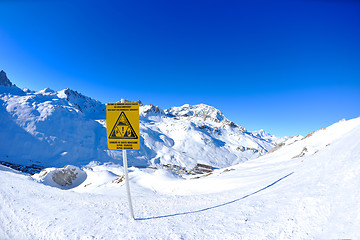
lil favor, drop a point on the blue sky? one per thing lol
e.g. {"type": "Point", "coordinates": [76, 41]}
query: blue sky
{"type": "Point", "coordinates": [289, 67]}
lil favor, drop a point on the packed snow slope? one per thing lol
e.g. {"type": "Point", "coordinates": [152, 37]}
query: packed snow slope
{"type": "Point", "coordinates": [309, 188]}
{"type": "Point", "coordinates": [54, 128]}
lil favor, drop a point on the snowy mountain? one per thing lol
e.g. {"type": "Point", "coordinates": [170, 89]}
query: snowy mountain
{"type": "Point", "coordinates": [56, 128]}
{"type": "Point", "coordinates": [308, 188]}
{"type": "Point", "coordinates": [262, 134]}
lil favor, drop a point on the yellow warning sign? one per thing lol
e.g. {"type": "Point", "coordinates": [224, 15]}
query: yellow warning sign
{"type": "Point", "coordinates": [122, 125]}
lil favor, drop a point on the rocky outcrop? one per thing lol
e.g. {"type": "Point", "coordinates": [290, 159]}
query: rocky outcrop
{"type": "Point", "coordinates": [4, 81]}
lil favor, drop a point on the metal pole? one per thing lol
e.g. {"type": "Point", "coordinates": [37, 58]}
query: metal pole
{"type": "Point", "coordinates": [127, 183]}
{"type": "Point", "coordinates": [127, 179]}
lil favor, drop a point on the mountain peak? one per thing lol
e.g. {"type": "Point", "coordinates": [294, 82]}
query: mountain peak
{"type": "Point", "coordinates": [46, 91]}
{"type": "Point", "coordinates": [149, 109]}
{"type": "Point", "coordinates": [70, 95]}
{"type": "Point", "coordinates": [199, 110]}
{"type": "Point", "coordinates": [4, 81]}
{"type": "Point", "coordinates": [85, 104]}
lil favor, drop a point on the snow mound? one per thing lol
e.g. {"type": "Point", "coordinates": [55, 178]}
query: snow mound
{"type": "Point", "coordinates": [65, 178]}
{"type": "Point", "coordinates": [102, 177]}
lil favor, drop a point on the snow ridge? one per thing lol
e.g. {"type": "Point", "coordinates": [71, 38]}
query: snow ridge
{"type": "Point", "coordinates": [84, 104]}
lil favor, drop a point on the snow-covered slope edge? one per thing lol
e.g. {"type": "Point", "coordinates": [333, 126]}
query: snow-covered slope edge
{"type": "Point", "coordinates": [296, 194]}
{"type": "Point", "coordinates": [55, 128]}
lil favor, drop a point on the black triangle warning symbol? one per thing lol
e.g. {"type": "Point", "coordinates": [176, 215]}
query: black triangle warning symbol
{"type": "Point", "coordinates": [122, 129]}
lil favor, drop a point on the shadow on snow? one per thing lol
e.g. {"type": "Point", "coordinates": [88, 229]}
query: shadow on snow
{"type": "Point", "coordinates": [217, 206]}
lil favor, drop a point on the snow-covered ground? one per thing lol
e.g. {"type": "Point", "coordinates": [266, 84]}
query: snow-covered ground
{"type": "Point", "coordinates": [309, 188]}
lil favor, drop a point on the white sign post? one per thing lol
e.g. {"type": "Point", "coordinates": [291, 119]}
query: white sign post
{"type": "Point", "coordinates": [127, 183]}
{"type": "Point", "coordinates": [127, 179]}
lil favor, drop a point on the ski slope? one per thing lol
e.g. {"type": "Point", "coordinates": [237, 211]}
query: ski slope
{"type": "Point", "coordinates": [290, 193]}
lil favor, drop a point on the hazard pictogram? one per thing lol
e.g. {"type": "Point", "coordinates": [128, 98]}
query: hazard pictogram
{"type": "Point", "coordinates": [122, 126]}
{"type": "Point", "coordinates": [122, 129]}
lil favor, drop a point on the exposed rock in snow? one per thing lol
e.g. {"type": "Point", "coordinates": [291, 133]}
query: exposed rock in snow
{"type": "Point", "coordinates": [64, 178]}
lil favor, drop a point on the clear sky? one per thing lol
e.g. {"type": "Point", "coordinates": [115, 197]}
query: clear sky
{"type": "Point", "coordinates": [289, 67]}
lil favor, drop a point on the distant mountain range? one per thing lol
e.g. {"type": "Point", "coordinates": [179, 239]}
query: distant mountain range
{"type": "Point", "coordinates": [55, 128]}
